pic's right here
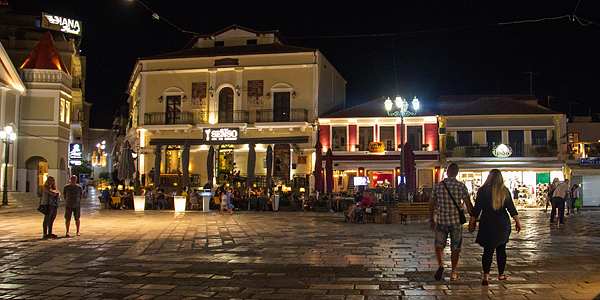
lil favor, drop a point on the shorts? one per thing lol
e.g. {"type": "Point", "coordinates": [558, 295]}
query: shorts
{"type": "Point", "coordinates": [224, 205]}
{"type": "Point", "coordinates": [76, 211]}
{"type": "Point", "coordinates": [441, 236]}
{"type": "Point", "coordinates": [359, 209]}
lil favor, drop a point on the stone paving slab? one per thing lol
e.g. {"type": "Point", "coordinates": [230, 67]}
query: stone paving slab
{"type": "Point", "coordinates": [283, 255]}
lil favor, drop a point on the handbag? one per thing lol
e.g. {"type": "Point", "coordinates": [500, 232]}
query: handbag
{"type": "Point", "coordinates": [43, 208]}
{"type": "Point", "coordinates": [461, 213]}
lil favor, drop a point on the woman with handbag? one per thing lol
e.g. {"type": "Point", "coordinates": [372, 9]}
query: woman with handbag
{"type": "Point", "coordinates": [493, 200]}
{"type": "Point", "coordinates": [51, 198]}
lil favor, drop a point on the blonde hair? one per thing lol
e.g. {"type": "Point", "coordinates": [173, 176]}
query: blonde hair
{"type": "Point", "coordinates": [499, 190]}
{"type": "Point", "coordinates": [47, 185]}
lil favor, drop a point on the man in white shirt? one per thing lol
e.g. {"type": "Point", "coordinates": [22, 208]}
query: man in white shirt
{"type": "Point", "coordinates": [561, 193]}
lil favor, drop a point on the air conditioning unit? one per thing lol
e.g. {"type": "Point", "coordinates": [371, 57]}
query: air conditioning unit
{"type": "Point", "coordinates": [442, 130]}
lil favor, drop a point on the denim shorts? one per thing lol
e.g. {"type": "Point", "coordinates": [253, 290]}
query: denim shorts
{"type": "Point", "coordinates": [441, 236]}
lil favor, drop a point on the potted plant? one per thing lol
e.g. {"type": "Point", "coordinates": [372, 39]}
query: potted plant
{"type": "Point", "coordinates": [450, 145]}
{"type": "Point", "coordinates": [321, 205]}
{"type": "Point", "coordinates": [285, 204]}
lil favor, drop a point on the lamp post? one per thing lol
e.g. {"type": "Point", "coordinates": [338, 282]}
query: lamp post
{"type": "Point", "coordinates": [401, 112]}
{"type": "Point", "coordinates": [8, 136]}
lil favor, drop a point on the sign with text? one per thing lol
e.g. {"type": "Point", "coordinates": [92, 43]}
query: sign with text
{"type": "Point", "coordinates": [502, 151]}
{"type": "Point", "coordinates": [376, 147]}
{"type": "Point", "coordinates": [75, 154]}
{"type": "Point", "coordinates": [221, 134]}
{"type": "Point", "coordinates": [63, 24]}
{"type": "Point", "coordinates": [589, 161]}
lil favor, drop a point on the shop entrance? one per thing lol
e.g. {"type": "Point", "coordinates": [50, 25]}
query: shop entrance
{"type": "Point", "coordinates": [226, 163]}
{"type": "Point", "coordinates": [172, 160]}
{"type": "Point", "coordinates": [281, 154]}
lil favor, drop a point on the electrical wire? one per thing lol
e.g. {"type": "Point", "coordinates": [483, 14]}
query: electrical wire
{"type": "Point", "coordinates": [157, 17]}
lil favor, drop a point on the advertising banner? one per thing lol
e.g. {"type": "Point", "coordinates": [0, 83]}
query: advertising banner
{"type": "Point", "coordinates": [199, 96]}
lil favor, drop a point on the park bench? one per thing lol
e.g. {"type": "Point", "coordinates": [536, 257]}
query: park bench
{"type": "Point", "coordinates": [406, 209]}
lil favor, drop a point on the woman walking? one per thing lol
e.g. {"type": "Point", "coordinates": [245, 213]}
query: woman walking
{"type": "Point", "coordinates": [493, 200]}
{"type": "Point", "coordinates": [50, 197]}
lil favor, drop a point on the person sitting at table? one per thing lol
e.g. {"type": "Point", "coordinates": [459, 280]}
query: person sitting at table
{"type": "Point", "coordinates": [365, 203]}
{"type": "Point", "coordinates": [127, 200]}
{"type": "Point", "coordinates": [116, 199]}
{"type": "Point", "coordinates": [160, 198]}
{"type": "Point", "coordinates": [194, 200]}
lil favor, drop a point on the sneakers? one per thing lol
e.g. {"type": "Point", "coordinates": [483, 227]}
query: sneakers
{"type": "Point", "coordinates": [67, 235]}
{"type": "Point", "coordinates": [52, 235]}
{"type": "Point", "coordinates": [78, 234]}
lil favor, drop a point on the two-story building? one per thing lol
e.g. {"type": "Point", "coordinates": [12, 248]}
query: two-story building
{"type": "Point", "coordinates": [583, 152]}
{"type": "Point", "coordinates": [526, 141]}
{"type": "Point", "coordinates": [365, 142]}
{"type": "Point", "coordinates": [232, 90]}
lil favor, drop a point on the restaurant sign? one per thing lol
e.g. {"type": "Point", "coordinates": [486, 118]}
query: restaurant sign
{"type": "Point", "coordinates": [61, 24]}
{"type": "Point", "coordinates": [376, 147]}
{"type": "Point", "coordinates": [75, 154]}
{"type": "Point", "coordinates": [221, 134]}
{"type": "Point", "coordinates": [502, 151]}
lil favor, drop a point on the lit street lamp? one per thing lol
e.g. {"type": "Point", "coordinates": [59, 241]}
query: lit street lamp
{"type": "Point", "coordinates": [8, 136]}
{"type": "Point", "coordinates": [401, 112]}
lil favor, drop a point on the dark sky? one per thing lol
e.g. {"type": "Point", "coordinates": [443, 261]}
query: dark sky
{"type": "Point", "coordinates": [429, 48]}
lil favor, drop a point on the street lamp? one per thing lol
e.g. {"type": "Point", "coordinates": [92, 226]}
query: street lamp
{"type": "Point", "coordinates": [8, 136]}
{"type": "Point", "coordinates": [401, 112]}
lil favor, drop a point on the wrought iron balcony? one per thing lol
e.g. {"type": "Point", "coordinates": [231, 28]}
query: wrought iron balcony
{"type": "Point", "coordinates": [162, 118]}
{"type": "Point", "coordinates": [233, 116]}
{"type": "Point", "coordinates": [518, 150]}
{"type": "Point", "coordinates": [296, 115]}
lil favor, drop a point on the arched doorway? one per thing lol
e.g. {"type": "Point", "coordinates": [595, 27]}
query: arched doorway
{"type": "Point", "coordinates": [226, 105]}
{"type": "Point", "coordinates": [37, 173]}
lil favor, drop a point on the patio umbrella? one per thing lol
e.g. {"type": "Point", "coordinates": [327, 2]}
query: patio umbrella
{"type": "Point", "coordinates": [157, 158]}
{"type": "Point", "coordinates": [329, 170]}
{"type": "Point", "coordinates": [210, 164]}
{"type": "Point", "coordinates": [269, 166]}
{"type": "Point", "coordinates": [185, 161]}
{"type": "Point", "coordinates": [251, 165]}
{"type": "Point", "coordinates": [319, 167]}
{"type": "Point", "coordinates": [126, 168]}
{"type": "Point", "coordinates": [410, 171]}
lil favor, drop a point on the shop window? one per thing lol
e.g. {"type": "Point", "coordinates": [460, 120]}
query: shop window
{"type": "Point", "coordinates": [493, 137]}
{"type": "Point", "coordinates": [539, 137]}
{"type": "Point", "coordinates": [387, 135]}
{"type": "Point", "coordinates": [219, 43]}
{"type": "Point", "coordinates": [61, 110]}
{"type": "Point", "coordinates": [573, 137]}
{"type": "Point", "coordinates": [338, 138]}
{"type": "Point", "coordinates": [281, 154]}
{"type": "Point", "coordinates": [251, 42]}
{"type": "Point", "coordinates": [365, 137]}
{"type": "Point", "coordinates": [465, 138]}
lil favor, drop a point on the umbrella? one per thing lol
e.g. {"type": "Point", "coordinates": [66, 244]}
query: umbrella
{"type": "Point", "coordinates": [329, 170]}
{"type": "Point", "coordinates": [251, 165]}
{"type": "Point", "coordinates": [210, 164]}
{"type": "Point", "coordinates": [157, 157]}
{"type": "Point", "coordinates": [126, 166]}
{"type": "Point", "coordinates": [319, 167]}
{"type": "Point", "coordinates": [410, 171]}
{"type": "Point", "coordinates": [269, 166]}
{"type": "Point", "coordinates": [185, 161]}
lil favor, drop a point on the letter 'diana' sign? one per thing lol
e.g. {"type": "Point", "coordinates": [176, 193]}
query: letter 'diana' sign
{"type": "Point", "coordinates": [221, 134]}
{"type": "Point", "coordinates": [376, 147]}
{"type": "Point", "coordinates": [502, 150]}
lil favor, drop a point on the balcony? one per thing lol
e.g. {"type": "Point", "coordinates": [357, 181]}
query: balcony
{"type": "Point", "coordinates": [518, 150]}
{"type": "Point", "coordinates": [161, 118]}
{"type": "Point", "coordinates": [235, 116]}
{"type": "Point", "coordinates": [296, 115]}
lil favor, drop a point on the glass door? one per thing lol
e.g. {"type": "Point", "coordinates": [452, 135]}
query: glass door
{"type": "Point", "coordinates": [281, 107]}
{"type": "Point", "coordinates": [173, 114]}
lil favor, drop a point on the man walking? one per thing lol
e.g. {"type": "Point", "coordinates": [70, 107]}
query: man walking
{"type": "Point", "coordinates": [73, 194]}
{"type": "Point", "coordinates": [448, 221]}
{"type": "Point", "coordinates": [561, 193]}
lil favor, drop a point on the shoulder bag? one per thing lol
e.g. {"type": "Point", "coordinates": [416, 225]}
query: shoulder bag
{"type": "Point", "coordinates": [43, 208]}
{"type": "Point", "coordinates": [461, 213]}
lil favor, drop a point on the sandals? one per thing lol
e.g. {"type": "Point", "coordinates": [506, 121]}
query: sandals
{"type": "Point", "coordinates": [439, 273]}
{"type": "Point", "coordinates": [502, 277]}
{"type": "Point", "coordinates": [485, 282]}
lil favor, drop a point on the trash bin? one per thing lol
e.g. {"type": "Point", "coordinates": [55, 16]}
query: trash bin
{"type": "Point", "coordinates": [275, 203]}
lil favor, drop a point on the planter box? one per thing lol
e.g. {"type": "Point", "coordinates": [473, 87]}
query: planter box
{"type": "Point", "coordinates": [321, 208]}
{"type": "Point", "coordinates": [285, 208]}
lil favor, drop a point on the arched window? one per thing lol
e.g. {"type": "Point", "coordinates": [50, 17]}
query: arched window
{"type": "Point", "coordinates": [226, 105]}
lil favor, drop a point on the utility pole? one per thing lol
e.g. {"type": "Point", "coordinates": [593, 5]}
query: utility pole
{"type": "Point", "coordinates": [531, 81]}
{"type": "Point", "coordinates": [549, 100]}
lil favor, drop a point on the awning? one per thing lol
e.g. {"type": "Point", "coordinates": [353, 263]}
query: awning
{"type": "Point", "coordinates": [244, 141]}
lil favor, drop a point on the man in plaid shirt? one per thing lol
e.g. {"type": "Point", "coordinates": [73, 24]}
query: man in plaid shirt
{"type": "Point", "coordinates": [448, 221]}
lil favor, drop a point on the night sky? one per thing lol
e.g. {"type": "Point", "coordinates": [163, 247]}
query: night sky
{"type": "Point", "coordinates": [428, 48]}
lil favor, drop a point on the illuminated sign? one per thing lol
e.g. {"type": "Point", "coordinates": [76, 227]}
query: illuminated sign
{"type": "Point", "coordinates": [589, 161]}
{"type": "Point", "coordinates": [376, 147]}
{"type": "Point", "coordinates": [75, 154]}
{"type": "Point", "coordinates": [502, 151]}
{"type": "Point", "coordinates": [221, 134]}
{"type": "Point", "coordinates": [61, 24]}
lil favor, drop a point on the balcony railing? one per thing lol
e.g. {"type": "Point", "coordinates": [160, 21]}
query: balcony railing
{"type": "Point", "coordinates": [296, 115]}
{"type": "Point", "coordinates": [235, 116]}
{"type": "Point", "coordinates": [518, 150]}
{"type": "Point", "coordinates": [161, 118]}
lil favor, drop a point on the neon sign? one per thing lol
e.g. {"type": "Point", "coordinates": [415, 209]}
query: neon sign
{"type": "Point", "coordinates": [221, 134]}
{"type": "Point", "coordinates": [75, 154]}
{"type": "Point", "coordinates": [61, 24]}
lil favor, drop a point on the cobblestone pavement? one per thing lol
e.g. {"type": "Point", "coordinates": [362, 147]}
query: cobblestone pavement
{"type": "Point", "coordinates": [282, 255]}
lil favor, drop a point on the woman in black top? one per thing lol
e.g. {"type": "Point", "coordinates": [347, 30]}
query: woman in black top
{"type": "Point", "coordinates": [492, 202]}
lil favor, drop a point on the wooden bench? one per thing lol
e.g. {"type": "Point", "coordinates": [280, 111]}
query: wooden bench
{"type": "Point", "coordinates": [412, 208]}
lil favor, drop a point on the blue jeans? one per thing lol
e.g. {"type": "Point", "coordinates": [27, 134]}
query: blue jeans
{"type": "Point", "coordinates": [441, 236]}
{"type": "Point", "coordinates": [557, 203]}
{"type": "Point", "coordinates": [49, 219]}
